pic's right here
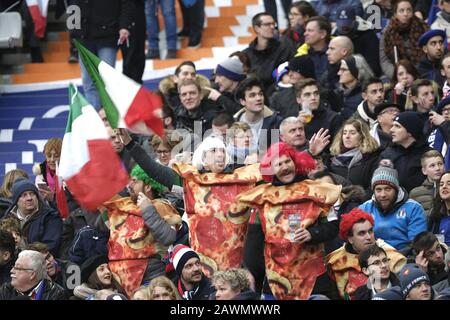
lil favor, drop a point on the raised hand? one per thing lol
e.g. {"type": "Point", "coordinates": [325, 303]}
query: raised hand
{"type": "Point", "coordinates": [143, 201]}
{"type": "Point", "coordinates": [123, 135]}
{"type": "Point", "coordinates": [319, 141]}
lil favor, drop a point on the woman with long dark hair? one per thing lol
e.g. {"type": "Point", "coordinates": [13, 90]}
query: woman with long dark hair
{"type": "Point", "coordinates": [439, 218]}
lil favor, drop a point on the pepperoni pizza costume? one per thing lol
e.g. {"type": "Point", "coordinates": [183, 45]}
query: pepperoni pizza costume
{"type": "Point", "coordinates": [345, 268]}
{"type": "Point", "coordinates": [291, 268]}
{"type": "Point", "coordinates": [131, 242]}
{"type": "Point", "coordinates": [217, 228]}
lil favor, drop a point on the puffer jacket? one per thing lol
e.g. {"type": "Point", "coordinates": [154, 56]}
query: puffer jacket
{"type": "Point", "coordinates": [44, 226]}
{"type": "Point", "coordinates": [424, 195]}
{"type": "Point", "coordinates": [168, 88]}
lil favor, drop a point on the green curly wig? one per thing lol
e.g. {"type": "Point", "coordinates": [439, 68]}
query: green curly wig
{"type": "Point", "coordinates": [141, 175]}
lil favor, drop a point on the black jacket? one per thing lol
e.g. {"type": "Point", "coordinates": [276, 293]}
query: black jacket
{"type": "Point", "coordinates": [407, 162]}
{"type": "Point", "coordinates": [228, 102]}
{"type": "Point", "coordinates": [204, 113]}
{"type": "Point", "coordinates": [52, 291]}
{"type": "Point", "coordinates": [101, 20]}
{"type": "Point", "coordinates": [367, 44]}
{"type": "Point", "coordinates": [359, 173]}
{"type": "Point", "coordinates": [348, 102]}
{"type": "Point", "coordinates": [5, 271]}
{"type": "Point", "coordinates": [265, 61]}
{"type": "Point", "coordinates": [285, 102]}
{"type": "Point", "coordinates": [204, 292]}
{"type": "Point", "coordinates": [325, 118]}
{"type": "Point", "coordinates": [365, 293]}
{"type": "Point", "coordinates": [5, 203]}
{"type": "Point", "coordinates": [76, 220]}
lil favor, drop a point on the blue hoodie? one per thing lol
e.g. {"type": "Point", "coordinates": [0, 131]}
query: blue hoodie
{"type": "Point", "coordinates": [400, 224]}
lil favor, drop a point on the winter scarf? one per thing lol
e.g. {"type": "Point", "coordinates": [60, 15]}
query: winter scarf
{"type": "Point", "coordinates": [393, 37]}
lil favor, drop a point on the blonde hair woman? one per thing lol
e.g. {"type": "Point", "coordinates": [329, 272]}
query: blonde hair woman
{"type": "Point", "coordinates": [233, 284]}
{"type": "Point", "coordinates": [355, 153]}
{"type": "Point", "coordinates": [162, 288]}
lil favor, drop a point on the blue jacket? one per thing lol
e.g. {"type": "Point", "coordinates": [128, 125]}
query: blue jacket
{"type": "Point", "coordinates": [329, 9]}
{"type": "Point", "coordinates": [44, 226]}
{"type": "Point", "coordinates": [400, 224]}
{"type": "Point", "coordinates": [88, 242]}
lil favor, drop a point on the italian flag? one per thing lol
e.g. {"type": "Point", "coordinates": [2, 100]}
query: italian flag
{"type": "Point", "coordinates": [38, 11]}
{"type": "Point", "coordinates": [127, 104]}
{"type": "Point", "coordinates": [89, 165]}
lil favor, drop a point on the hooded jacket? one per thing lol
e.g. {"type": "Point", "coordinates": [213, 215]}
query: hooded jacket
{"type": "Point", "coordinates": [363, 113]}
{"type": "Point", "coordinates": [271, 121]}
{"type": "Point", "coordinates": [400, 223]}
{"type": "Point", "coordinates": [168, 88]}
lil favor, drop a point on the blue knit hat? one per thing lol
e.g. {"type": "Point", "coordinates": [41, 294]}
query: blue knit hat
{"type": "Point", "coordinates": [280, 71]}
{"type": "Point", "coordinates": [444, 102]}
{"type": "Point", "coordinates": [20, 186]}
{"type": "Point", "coordinates": [410, 276]}
{"type": "Point", "coordinates": [385, 175]}
{"type": "Point", "coordinates": [231, 68]}
{"type": "Point", "coordinates": [423, 40]}
{"type": "Point", "coordinates": [394, 293]}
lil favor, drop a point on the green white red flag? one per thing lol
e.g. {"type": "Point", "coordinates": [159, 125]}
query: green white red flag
{"type": "Point", "coordinates": [127, 103]}
{"type": "Point", "coordinates": [90, 167]}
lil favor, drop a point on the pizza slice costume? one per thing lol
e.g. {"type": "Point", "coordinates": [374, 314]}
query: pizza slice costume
{"type": "Point", "coordinates": [291, 268]}
{"type": "Point", "coordinates": [344, 265]}
{"type": "Point", "coordinates": [131, 243]}
{"type": "Point", "coordinates": [217, 228]}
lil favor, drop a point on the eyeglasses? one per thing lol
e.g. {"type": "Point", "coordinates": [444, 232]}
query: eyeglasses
{"type": "Point", "coordinates": [162, 151]}
{"type": "Point", "coordinates": [391, 111]}
{"type": "Point", "coordinates": [378, 263]}
{"type": "Point", "coordinates": [22, 269]}
{"type": "Point", "coordinates": [269, 24]}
